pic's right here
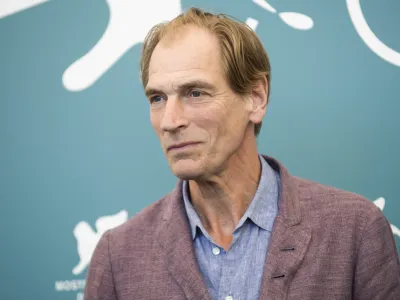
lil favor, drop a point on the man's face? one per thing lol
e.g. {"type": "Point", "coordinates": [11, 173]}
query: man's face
{"type": "Point", "coordinates": [191, 102]}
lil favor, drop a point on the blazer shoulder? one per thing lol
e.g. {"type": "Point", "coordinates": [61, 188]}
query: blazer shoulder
{"type": "Point", "coordinates": [329, 199]}
{"type": "Point", "coordinates": [142, 225]}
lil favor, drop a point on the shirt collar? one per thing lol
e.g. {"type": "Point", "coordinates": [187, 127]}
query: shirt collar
{"type": "Point", "coordinates": [262, 210]}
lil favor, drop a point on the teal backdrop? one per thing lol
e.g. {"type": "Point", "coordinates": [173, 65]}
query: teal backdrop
{"type": "Point", "coordinates": [78, 155]}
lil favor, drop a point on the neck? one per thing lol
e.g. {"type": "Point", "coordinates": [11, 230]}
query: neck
{"type": "Point", "coordinates": [222, 199]}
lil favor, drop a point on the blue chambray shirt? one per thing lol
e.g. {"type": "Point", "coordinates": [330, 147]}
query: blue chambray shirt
{"type": "Point", "coordinates": [236, 274]}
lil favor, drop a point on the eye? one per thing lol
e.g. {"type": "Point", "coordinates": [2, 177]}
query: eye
{"type": "Point", "coordinates": [156, 99]}
{"type": "Point", "coordinates": [195, 94]}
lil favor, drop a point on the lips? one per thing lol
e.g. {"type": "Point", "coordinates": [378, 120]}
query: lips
{"type": "Point", "coordinates": [182, 145]}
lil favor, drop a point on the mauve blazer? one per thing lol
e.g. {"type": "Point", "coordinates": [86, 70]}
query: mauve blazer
{"type": "Point", "coordinates": [326, 244]}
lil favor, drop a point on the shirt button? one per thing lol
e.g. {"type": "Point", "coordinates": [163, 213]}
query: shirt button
{"type": "Point", "coordinates": [216, 251]}
{"type": "Point", "coordinates": [228, 298]}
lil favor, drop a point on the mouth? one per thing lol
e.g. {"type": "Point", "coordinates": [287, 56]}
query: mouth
{"type": "Point", "coordinates": [182, 146]}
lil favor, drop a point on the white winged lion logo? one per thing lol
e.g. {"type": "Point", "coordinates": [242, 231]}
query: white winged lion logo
{"type": "Point", "coordinates": [87, 238]}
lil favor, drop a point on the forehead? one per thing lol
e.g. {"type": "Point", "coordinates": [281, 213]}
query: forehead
{"type": "Point", "coordinates": [192, 52]}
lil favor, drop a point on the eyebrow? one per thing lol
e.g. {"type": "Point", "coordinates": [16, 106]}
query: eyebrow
{"type": "Point", "coordinates": [200, 84]}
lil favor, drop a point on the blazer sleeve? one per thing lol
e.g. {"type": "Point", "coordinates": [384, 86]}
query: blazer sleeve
{"type": "Point", "coordinates": [377, 270]}
{"type": "Point", "coordinates": [99, 280]}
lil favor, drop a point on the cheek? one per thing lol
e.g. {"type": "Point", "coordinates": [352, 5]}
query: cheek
{"type": "Point", "coordinates": [213, 123]}
{"type": "Point", "coordinates": [235, 121]}
{"type": "Point", "coordinates": [209, 119]}
{"type": "Point", "coordinates": [155, 120]}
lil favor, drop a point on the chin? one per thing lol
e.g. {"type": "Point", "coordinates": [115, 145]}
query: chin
{"type": "Point", "coordinates": [186, 169]}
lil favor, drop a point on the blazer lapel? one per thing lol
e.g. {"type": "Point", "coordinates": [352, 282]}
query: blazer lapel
{"type": "Point", "coordinates": [289, 240]}
{"type": "Point", "coordinates": [285, 254]}
{"type": "Point", "coordinates": [177, 244]}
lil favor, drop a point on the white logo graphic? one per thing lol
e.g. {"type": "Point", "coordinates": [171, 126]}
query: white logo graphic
{"type": "Point", "coordinates": [128, 25]}
{"type": "Point", "coordinates": [10, 7]}
{"type": "Point", "coordinates": [380, 202]}
{"type": "Point", "coordinates": [369, 38]}
{"type": "Point", "coordinates": [293, 19]}
{"type": "Point", "coordinates": [130, 21]}
{"type": "Point", "coordinates": [119, 36]}
{"type": "Point", "coordinates": [87, 238]}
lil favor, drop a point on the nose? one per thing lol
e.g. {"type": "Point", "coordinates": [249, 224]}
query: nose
{"type": "Point", "coordinates": [174, 115]}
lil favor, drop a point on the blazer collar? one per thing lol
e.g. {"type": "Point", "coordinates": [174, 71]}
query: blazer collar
{"type": "Point", "coordinates": [288, 204]}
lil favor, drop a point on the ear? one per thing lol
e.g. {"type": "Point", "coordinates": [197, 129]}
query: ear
{"type": "Point", "coordinates": [259, 100]}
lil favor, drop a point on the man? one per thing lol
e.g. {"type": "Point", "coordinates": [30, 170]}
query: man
{"type": "Point", "coordinates": [237, 225]}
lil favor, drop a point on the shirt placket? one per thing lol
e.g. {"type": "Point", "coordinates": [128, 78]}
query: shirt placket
{"type": "Point", "coordinates": [226, 289]}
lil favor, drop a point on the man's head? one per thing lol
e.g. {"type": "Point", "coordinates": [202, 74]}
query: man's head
{"type": "Point", "coordinates": [207, 79]}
